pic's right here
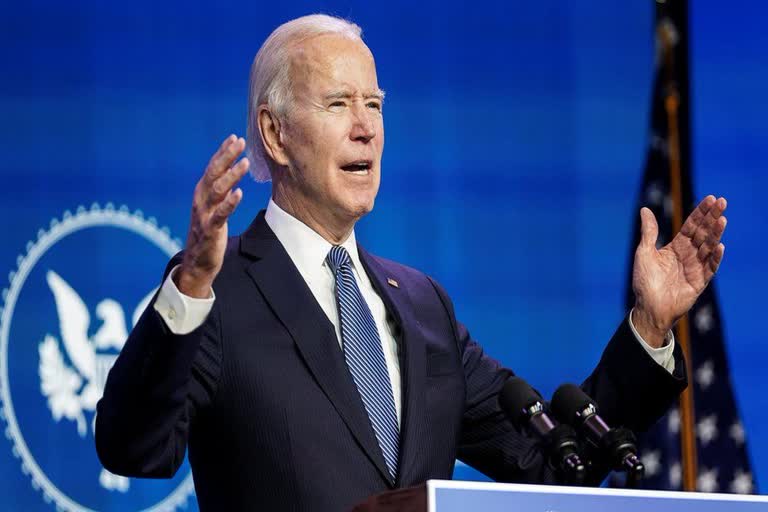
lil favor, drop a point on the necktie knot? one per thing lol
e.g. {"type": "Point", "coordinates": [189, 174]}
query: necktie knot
{"type": "Point", "coordinates": [337, 258]}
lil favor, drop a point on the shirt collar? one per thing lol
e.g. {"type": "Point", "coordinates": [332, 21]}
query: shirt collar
{"type": "Point", "coordinates": [306, 248]}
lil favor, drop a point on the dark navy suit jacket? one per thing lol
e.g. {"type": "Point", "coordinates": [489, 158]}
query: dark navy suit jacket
{"type": "Point", "coordinates": [262, 397]}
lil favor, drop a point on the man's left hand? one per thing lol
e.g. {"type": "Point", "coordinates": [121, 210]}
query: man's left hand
{"type": "Point", "coordinates": [668, 281]}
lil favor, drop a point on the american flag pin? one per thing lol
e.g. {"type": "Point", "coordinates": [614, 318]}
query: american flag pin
{"type": "Point", "coordinates": [392, 282]}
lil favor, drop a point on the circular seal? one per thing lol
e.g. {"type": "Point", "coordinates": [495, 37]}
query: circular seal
{"type": "Point", "coordinates": [72, 300]}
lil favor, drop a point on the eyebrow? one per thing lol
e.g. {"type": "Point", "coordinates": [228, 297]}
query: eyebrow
{"type": "Point", "coordinates": [378, 94]}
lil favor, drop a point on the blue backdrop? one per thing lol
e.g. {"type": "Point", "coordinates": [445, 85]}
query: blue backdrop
{"type": "Point", "coordinates": [515, 134]}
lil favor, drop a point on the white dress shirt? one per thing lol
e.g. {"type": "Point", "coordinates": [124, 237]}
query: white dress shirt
{"type": "Point", "coordinates": [308, 250]}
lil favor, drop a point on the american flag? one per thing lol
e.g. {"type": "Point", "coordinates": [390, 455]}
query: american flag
{"type": "Point", "coordinates": [723, 462]}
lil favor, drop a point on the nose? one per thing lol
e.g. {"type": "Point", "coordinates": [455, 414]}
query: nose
{"type": "Point", "coordinates": [363, 124]}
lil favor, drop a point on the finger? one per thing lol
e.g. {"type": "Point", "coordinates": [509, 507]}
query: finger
{"type": "Point", "coordinates": [710, 231]}
{"type": "Point", "coordinates": [711, 227]}
{"type": "Point", "coordinates": [716, 233]}
{"type": "Point", "coordinates": [223, 147]}
{"type": "Point", "coordinates": [711, 242]}
{"type": "Point", "coordinates": [224, 144]}
{"type": "Point", "coordinates": [222, 186]}
{"type": "Point", "coordinates": [709, 223]}
{"type": "Point", "coordinates": [224, 159]}
{"type": "Point", "coordinates": [722, 204]}
{"type": "Point", "coordinates": [713, 263]}
{"type": "Point", "coordinates": [707, 246]}
{"type": "Point", "coordinates": [225, 208]}
{"type": "Point", "coordinates": [697, 216]}
{"type": "Point", "coordinates": [649, 228]}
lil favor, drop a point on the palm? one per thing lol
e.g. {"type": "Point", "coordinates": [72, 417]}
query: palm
{"type": "Point", "coordinates": [668, 281]}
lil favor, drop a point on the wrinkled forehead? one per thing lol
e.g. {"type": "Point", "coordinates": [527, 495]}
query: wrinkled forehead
{"type": "Point", "coordinates": [332, 61]}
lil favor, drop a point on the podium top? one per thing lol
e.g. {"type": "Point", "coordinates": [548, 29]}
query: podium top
{"type": "Point", "coordinates": [458, 496]}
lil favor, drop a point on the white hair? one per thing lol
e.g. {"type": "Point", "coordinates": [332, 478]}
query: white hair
{"type": "Point", "coordinates": [270, 82]}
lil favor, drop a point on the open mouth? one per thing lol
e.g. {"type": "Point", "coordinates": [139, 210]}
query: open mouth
{"type": "Point", "coordinates": [361, 167]}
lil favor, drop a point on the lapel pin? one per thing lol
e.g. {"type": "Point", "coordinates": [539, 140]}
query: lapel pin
{"type": "Point", "coordinates": [392, 282]}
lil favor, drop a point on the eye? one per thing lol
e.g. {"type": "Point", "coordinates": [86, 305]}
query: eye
{"type": "Point", "coordinates": [338, 104]}
{"type": "Point", "coordinates": [376, 105]}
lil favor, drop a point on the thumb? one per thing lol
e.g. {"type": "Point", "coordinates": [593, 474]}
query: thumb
{"type": "Point", "coordinates": [649, 228]}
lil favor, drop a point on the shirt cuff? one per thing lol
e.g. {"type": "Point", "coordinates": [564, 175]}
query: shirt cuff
{"type": "Point", "coordinates": [182, 314]}
{"type": "Point", "coordinates": [664, 355]}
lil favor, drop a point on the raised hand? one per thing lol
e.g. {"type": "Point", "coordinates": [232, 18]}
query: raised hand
{"type": "Point", "coordinates": [668, 281]}
{"type": "Point", "coordinates": [213, 202]}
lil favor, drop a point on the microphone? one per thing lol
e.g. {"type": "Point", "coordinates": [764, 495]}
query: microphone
{"type": "Point", "coordinates": [571, 405]}
{"type": "Point", "coordinates": [527, 410]}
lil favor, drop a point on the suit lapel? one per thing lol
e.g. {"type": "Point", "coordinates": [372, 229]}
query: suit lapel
{"type": "Point", "coordinates": [412, 359]}
{"type": "Point", "coordinates": [292, 301]}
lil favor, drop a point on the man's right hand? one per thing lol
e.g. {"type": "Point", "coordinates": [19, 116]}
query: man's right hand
{"type": "Point", "coordinates": [213, 203]}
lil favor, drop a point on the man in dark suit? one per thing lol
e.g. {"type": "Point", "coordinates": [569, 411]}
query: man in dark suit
{"type": "Point", "coordinates": [307, 374]}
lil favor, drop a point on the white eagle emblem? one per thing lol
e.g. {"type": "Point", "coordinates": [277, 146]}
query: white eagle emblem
{"type": "Point", "coordinates": [71, 391]}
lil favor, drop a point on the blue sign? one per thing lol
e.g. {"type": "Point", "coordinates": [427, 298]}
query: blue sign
{"type": "Point", "coordinates": [451, 496]}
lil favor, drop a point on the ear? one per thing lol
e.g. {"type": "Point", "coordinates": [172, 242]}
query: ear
{"type": "Point", "coordinates": [272, 136]}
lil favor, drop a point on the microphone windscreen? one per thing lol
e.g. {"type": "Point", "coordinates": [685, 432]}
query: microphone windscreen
{"type": "Point", "coordinates": [568, 401]}
{"type": "Point", "coordinates": [515, 397]}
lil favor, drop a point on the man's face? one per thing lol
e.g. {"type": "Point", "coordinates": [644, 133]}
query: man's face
{"type": "Point", "coordinates": [334, 133]}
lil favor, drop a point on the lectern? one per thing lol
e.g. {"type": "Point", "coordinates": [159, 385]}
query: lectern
{"type": "Point", "coordinates": [457, 496]}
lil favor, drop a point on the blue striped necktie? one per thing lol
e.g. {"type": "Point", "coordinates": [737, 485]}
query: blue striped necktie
{"type": "Point", "coordinates": [365, 357]}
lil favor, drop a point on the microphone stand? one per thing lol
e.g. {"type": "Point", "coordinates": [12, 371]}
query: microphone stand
{"type": "Point", "coordinates": [620, 444]}
{"type": "Point", "coordinates": [563, 448]}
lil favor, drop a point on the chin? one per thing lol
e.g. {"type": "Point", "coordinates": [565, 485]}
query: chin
{"type": "Point", "coordinates": [360, 208]}
{"type": "Point", "coordinates": [359, 202]}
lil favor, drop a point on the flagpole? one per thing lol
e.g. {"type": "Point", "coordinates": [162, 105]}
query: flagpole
{"type": "Point", "coordinates": [671, 106]}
